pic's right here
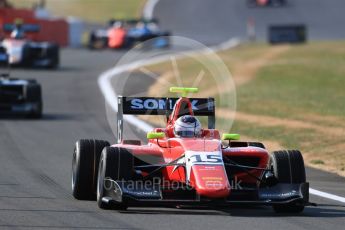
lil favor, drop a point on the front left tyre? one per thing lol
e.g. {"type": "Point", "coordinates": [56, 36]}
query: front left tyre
{"type": "Point", "coordinates": [85, 163]}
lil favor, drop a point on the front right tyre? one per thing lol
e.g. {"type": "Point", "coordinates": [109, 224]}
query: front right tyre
{"type": "Point", "coordinates": [34, 95]}
{"type": "Point", "coordinates": [85, 163]}
{"type": "Point", "coordinates": [116, 164]}
{"type": "Point", "coordinates": [288, 167]}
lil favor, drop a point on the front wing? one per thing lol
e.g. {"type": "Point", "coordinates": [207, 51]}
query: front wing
{"type": "Point", "coordinates": [18, 108]}
{"type": "Point", "coordinates": [152, 196]}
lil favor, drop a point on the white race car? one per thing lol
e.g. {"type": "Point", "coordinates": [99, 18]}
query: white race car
{"type": "Point", "coordinates": [26, 53]}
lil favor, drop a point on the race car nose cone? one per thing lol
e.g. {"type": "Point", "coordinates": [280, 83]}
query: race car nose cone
{"type": "Point", "coordinates": [210, 181]}
{"type": "Point", "coordinates": [214, 191]}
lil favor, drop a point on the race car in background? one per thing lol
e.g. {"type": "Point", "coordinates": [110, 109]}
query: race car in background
{"type": "Point", "coordinates": [264, 3]}
{"type": "Point", "coordinates": [185, 167]}
{"type": "Point", "coordinates": [19, 96]}
{"type": "Point", "coordinates": [128, 33]}
{"type": "Point", "coordinates": [26, 53]}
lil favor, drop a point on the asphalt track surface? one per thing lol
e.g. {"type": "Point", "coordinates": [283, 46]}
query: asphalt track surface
{"type": "Point", "coordinates": [211, 22]}
{"type": "Point", "coordinates": [35, 155]}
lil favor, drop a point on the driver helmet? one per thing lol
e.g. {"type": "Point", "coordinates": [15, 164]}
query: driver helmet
{"type": "Point", "coordinates": [187, 126]}
{"type": "Point", "coordinates": [18, 32]}
{"type": "Point", "coordinates": [140, 25]}
{"type": "Point", "coordinates": [117, 24]}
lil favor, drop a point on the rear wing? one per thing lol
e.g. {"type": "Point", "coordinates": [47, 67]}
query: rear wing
{"type": "Point", "coordinates": [161, 106]}
{"type": "Point", "coordinates": [28, 28]}
{"type": "Point", "coordinates": [133, 21]}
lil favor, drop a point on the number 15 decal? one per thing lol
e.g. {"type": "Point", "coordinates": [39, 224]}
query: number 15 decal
{"type": "Point", "coordinates": [206, 158]}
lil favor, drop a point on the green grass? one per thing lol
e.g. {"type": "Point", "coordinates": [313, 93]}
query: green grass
{"type": "Point", "coordinates": [306, 79]}
{"type": "Point", "coordinates": [98, 11]}
{"type": "Point", "coordinates": [317, 162]}
{"type": "Point", "coordinates": [292, 138]}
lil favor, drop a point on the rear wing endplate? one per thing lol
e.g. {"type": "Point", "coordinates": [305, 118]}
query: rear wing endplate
{"type": "Point", "coordinates": [161, 106]}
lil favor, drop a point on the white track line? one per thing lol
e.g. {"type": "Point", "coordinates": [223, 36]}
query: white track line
{"type": "Point", "coordinates": [326, 195]}
{"type": "Point", "coordinates": [149, 8]}
{"type": "Point", "coordinates": [104, 82]}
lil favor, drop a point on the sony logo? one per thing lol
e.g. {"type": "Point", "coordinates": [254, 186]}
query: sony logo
{"type": "Point", "coordinates": [153, 104]}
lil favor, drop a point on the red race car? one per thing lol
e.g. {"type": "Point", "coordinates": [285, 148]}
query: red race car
{"type": "Point", "coordinates": [265, 3]}
{"type": "Point", "coordinates": [183, 164]}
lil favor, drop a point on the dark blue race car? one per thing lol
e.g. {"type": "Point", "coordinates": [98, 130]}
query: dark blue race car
{"type": "Point", "coordinates": [136, 31]}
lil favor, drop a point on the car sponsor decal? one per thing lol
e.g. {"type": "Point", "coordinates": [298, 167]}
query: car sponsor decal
{"type": "Point", "coordinates": [153, 104]}
{"type": "Point", "coordinates": [206, 159]}
{"type": "Point", "coordinates": [158, 106]}
{"type": "Point", "coordinates": [202, 158]}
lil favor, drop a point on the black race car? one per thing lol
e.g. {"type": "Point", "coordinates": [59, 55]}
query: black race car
{"type": "Point", "coordinates": [18, 96]}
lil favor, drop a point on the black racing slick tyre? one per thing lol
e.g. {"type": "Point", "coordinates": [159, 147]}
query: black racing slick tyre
{"type": "Point", "coordinates": [288, 167]}
{"type": "Point", "coordinates": [33, 95]}
{"type": "Point", "coordinates": [53, 53]}
{"type": "Point", "coordinates": [26, 56]}
{"type": "Point", "coordinates": [116, 164]}
{"type": "Point", "coordinates": [85, 167]}
{"type": "Point", "coordinates": [92, 38]}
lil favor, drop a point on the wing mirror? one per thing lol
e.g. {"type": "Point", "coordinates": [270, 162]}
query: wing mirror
{"type": "Point", "coordinates": [155, 135]}
{"type": "Point", "coordinates": [184, 91]}
{"type": "Point", "coordinates": [230, 137]}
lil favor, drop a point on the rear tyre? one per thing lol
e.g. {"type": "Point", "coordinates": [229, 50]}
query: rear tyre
{"type": "Point", "coordinates": [26, 56]}
{"type": "Point", "coordinates": [54, 56]}
{"type": "Point", "coordinates": [115, 164]}
{"type": "Point", "coordinates": [34, 96]}
{"type": "Point", "coordinates": [84, 168]}
{"type": "Point", "coordinates": [92, 38]}
{"type": "Point", "coordinates": [288, 167]}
